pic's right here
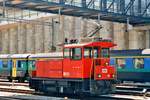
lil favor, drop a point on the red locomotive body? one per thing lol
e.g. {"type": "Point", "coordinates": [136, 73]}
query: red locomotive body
{"type": "Point", "coordinates": [49, 68]}
{"type": "Point", "coordinates": [83, 68]}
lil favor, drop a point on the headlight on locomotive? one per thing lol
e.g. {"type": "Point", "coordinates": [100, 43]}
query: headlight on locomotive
{"type": "Point", "coordinates": [106, 64]}
{"type": "Point", "coordinates": [113, 76]}
{"type": "Point", "coordinates": [99, 75]}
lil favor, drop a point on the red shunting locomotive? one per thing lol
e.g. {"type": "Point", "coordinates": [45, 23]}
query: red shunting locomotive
{"type": "Point", "coordinates": [83, 68]}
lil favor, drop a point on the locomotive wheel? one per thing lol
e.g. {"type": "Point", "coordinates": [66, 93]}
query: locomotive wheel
{"type": "Point", "coordinates": [101, 87]}
{"type": "Point", "coordinates": [10, 79]}
{"type": "Point", "coordinates": [21, 80]}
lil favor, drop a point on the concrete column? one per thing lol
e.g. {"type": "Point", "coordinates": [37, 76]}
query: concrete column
{"type": "Point", "coordinates": [136, 39]}
{"type": "Point", "coordinates": [142, 39]}
{"type": "Point", "coordinates": [21, 38]}
{"type": "Point", "coordinates": [5, 43]}
{"type": "Point", "coordinates": [67, 26]}
{"type": "Point", "coordinates": [91, 26]}
{"type": "Point", "coordinates": [78, 28]}
{"type": "Point", "coordinates": [147, 38]}
{"type": "Point", "coordinates": [1, 42]}
{"type": "Point", "coordinates": [13, 40]}
{"type": "Point", "coordinates": [47, 40]}
{"type": "Point", "coordinates": [61, 34]}
{"type": "Point", "coordinates": [39, 39]}
{"type": "Point", "coordinates": [84, 27]}
{"type": "Point", "coordinates": [30, 38]}
{"type": "Point", "coordinates": [119, 36]}
{"type": "Point", "coordinates": [107, 31]}
{"type": "Point", "coordinates": [55, 36]}
{"type": "Point", "coordinates": [72, 33]}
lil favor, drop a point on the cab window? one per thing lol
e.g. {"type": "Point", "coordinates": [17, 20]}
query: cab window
{"type": "Point", "coordinates": [105, 52]}
{"type": "Point", "coordinates": [138, 63]}
{"type": "Point", "coordinates": [87, 52]}
{"type": "Point", "coordinates": [76, 53]}
{"type": "Point", "coordinates": [66, 53]}
{"type": "Point", "coordinates": [95, 52]}
{"type": "Point", "coordinates": [121, 63]}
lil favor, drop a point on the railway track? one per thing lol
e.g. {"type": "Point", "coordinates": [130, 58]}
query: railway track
{"type": "Point", "coordinates": [139, 85]}
{"type": "Point", "coordinates": [123, 92]}
{"type": "Point", "coordinates": [11, 98]}
{"type": "Point", "coordinates": [134, 89]}
{"type": "Point", "coordinates": [116, 96]}
{"type": "Point", "coordinates": [13, 84]}
{"type": "Point", "coordinates": [17, 90]}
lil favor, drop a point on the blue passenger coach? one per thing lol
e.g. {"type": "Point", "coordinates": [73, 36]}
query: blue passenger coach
{"type": "Point", "coordinates": [5, 66]}
{"type": "Point", "coordinates": [132, 65]}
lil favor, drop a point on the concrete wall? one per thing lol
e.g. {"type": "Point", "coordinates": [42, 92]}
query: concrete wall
{"type": "Point", "coordinates": [39, 37]}
{"type": "Point", "coordinates": [119, 36]}
{"type": "Point", "coordinates": [147, 34]}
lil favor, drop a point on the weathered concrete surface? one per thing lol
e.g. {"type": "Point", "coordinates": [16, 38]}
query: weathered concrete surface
{"type": "Point", "coordinates": [21, 38]}
{"type": "Point", "coordinates": [47, 39]}
{"type": "Point", "coordinates": [107, 31]}
{"type": "Point", "coordinates": [30, 38]}
{"type": "Point", "coordinates": [137, 39]}
{"type": "Point", "coordinates": [147, 34]}
{"type": "Point", "coordinates": [13, 40]}
{"type": "Point", "coordinates": [119, 34]}
{"type": "Point", "coordinates": [39, 37]}
{"type": "Point", "coordinates": [61, 34]}
{"type": "Point", "coordinates": [5, 39]}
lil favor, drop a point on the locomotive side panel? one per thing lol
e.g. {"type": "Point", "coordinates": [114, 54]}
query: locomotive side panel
{"type": "Point", "coordinates": [73, 69]}
{"type": "Point", "coordinates": [87, 71]}
{"type": "Point", "coordinates": [49, 68]}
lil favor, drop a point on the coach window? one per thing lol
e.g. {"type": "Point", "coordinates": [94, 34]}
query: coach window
{"type": "Point", "coordinates": [121, 63]}
{"type": "Point", "coordinates": [87, 52]}
{"type": "Point", "coordinates": [76, 53]}
{"type": "Point", "coordinates": [19, 64]}
{"type": "Point", "coordinates": [66, 53]}
{"type": "Point", "coordinates": [4, 64]}
{"type": "Point", "coordinates": [32, 64]}
{"type": "Point", "coordinates": [138, 63]}
{"type": "Point", "coordinates": [105, 52]}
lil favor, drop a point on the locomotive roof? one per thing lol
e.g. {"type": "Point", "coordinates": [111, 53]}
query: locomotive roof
{"type": "Point", "coordinates": [100, 43]}
{"type": "Point", "coordinates": [47, 55]}
{"type": "Point", "coordinates": [146, 51]}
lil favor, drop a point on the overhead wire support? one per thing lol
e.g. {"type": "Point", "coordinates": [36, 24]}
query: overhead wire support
{"type": "Point", "coordinates": [112, 3]}
{"type": "Point", "coordinates": [129, 6]}
{"type": "Point", "coordinates": [4, 8]}
{"type": "Point", "coordinates": [145, 10]}
{"type": "Point", "coordinates": [91, 3]}
{"type": "Point", "coordinates": [110, 10]}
